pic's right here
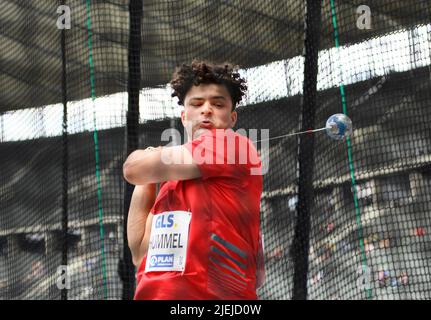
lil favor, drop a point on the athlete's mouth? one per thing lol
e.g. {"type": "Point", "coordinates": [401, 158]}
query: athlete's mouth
{"type": "Point", "coordinates": [205, 124]}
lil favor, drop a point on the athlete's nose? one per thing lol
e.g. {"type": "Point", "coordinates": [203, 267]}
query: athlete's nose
{"type": "Point", "coordinates": [206, 108]}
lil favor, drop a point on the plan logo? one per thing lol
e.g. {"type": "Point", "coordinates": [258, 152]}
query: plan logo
{"type": "Point", "coordinates": [162, 260]}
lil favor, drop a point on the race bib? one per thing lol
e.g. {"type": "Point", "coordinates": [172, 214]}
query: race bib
{"type": "Point", "coordinates": [167, 250]}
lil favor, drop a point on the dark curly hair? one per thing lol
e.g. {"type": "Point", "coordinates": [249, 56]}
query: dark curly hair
{"type": "Point", "coordinates": [203, 72]}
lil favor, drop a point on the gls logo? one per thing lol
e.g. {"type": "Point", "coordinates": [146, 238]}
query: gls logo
{"type": "Point", "coordinates": [162, 223]}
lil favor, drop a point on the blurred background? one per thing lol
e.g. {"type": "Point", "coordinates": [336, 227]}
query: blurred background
{"type": "Point", "coordinates": [83, 83]}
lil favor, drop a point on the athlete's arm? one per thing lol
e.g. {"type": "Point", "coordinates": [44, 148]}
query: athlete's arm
{"type": "Point", "coordinates": [139, 219]}
{"type": "Point", "coordinates": [158, 165]}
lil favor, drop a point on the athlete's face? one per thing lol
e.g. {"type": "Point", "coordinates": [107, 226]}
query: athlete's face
{"type": "Point", "coordinates": [207, 106]}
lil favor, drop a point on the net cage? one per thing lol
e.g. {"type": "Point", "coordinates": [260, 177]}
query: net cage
{"type": "Point", "coordinates": [85, 82]}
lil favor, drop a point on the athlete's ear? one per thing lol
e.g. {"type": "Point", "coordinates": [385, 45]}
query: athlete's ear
{"type": "Point", "coordinates": [233, 118]}
{"type": "Point", "coordinates": [183, 117]}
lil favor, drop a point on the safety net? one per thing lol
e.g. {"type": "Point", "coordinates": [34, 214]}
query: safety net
{"type": "Point", "coordinates": [83, 83]}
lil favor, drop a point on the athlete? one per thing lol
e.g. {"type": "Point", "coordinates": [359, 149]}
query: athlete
{"type": "Point", "coordinates": [199, 237]}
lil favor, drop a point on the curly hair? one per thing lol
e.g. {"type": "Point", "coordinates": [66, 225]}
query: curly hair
{"type": "Point", "coordinates": [203, 72]}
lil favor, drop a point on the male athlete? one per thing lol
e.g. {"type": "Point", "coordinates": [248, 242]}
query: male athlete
{"type": "Point", "coordinates": [199, 238]}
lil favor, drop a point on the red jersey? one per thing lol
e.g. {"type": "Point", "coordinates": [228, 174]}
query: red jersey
{"type": "Point", "coordinates": [218, 218]}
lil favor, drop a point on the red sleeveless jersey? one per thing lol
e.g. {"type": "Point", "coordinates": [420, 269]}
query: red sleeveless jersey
{"type": "Point", "coordinates": [221, 251]}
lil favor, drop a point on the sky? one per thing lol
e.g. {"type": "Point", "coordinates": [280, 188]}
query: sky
{"type": "Point", "coordinates": [394, 52]}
